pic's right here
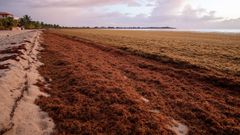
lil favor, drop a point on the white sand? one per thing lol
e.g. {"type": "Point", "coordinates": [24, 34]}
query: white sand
{"type": "Point", "coordinates": [18, 89]}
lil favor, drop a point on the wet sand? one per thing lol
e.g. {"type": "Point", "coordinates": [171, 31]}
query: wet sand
{"type": "Point", "coordinates": [98, 89]}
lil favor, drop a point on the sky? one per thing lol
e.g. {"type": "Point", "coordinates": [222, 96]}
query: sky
{"type": "Point", "coordinates": [192, 14]}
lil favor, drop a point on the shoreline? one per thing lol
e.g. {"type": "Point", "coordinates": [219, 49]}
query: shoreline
{"type": "Point", "coordinates": [213, 31]}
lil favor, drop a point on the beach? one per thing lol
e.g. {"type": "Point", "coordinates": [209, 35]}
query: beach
{"type": "Point", "coordinates": [72, 81]}
{"type": "Point", "coordinates": [18, 78]}
{"type": "Point", "coordinates": [99, 83]}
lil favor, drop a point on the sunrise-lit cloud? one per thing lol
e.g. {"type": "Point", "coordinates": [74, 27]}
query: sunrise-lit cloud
{"type": "Point", "coordinates": [176, 13]}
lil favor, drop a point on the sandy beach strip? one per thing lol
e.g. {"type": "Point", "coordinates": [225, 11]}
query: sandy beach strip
{"type": "Point", "coordinates": [18, 79]}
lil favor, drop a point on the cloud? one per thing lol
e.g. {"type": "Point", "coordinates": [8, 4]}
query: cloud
{"type": "Point", "coordinates": [227, 24]}
{"type": "Point", "coordinates": [69, 3]}
{"type": "Point", "coordinates": [175, 13]}
{"type": "Point", "coordinates": [167, 7]}
{"type": "Point", "coordinates": [93, 13]}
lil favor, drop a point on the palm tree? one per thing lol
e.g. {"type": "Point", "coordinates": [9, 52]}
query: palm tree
{"type": "Point", "coordinates": [25, 20]}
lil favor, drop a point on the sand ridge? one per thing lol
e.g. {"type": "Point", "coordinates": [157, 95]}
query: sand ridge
{"type": "Point", "coordinates": [19, 115]}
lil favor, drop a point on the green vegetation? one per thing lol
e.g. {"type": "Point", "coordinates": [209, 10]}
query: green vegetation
{"type": "Point", "coordinates": [26, 22]}
{"type": "Point", "coordinates": [8, 23]}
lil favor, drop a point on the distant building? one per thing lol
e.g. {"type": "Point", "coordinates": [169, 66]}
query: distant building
{"type": "Point", "coordinates": [5, 14]}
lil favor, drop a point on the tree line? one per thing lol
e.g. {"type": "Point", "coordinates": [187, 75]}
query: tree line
{"type": "Point", "coordinates": [25, 22]}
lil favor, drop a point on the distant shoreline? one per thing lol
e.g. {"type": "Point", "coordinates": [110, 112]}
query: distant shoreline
{"type": "Point", "coordinates": [227, 31]}
{"type": "Point", "coordinates": [222, 31]}
{"type": "Point", "coordinates": [121, 27]}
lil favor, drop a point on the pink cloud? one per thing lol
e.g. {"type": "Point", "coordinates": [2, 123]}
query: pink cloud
{"type": "Point", "coordinates": [167, 7]}
{"type": "Point", "coordinates": [91, 13]}
{"type": "Point", "coordinates": [80, 3]}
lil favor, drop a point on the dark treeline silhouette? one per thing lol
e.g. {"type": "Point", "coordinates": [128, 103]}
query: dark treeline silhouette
{"type": "Point", "coordinates": [25, 22]}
